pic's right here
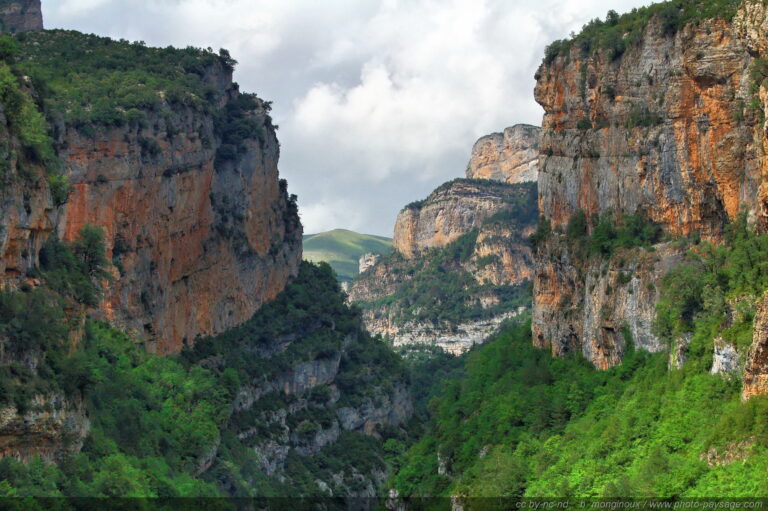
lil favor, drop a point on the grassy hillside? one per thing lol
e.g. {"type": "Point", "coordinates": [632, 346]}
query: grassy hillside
{"type": "Point", "coordinates": [342, 249]}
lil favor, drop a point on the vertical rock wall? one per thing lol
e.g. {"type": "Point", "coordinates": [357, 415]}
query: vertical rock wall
{"type": "Point", "coordinates": [669, 130]}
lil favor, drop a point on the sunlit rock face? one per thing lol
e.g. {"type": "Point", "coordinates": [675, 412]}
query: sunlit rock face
{"type": "Point", "coordinates": [198, 244]}
{"type": "Point", "coordinates": [665, 130]}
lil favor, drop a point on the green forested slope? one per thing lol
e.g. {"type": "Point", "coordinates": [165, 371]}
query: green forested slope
{"type": "Point", "coordinates": [166, 426]}
{"type": "Point", "coordinates": [523, 424]}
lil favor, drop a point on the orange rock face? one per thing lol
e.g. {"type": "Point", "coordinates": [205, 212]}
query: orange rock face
{"type": "Point", "coordinates": [198, 245]}
{"type": "Point", "coordinates": [755, 381]}
{"type": "Point", "coordinates": [665, 130]}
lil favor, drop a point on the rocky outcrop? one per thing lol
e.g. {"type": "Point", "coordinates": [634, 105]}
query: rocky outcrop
{"type": "Point", "coordinates": [199, 242]}
{"type": "Point", "coordinates": [294, 427]}
{"type": "Point", "coordinates": [725, 359]}
{"type": "Point", "coordinates": [393, 408]}
{"type": "Point", "coordinates": [453, 338]}
{"type": "Point", "coordinates": [477, 233]}
{"type": "Point", "coordinates": [313, 384]}
{"type": "Point", "coordinates": [595, 307]}
{"type": "Point", "coordinates": [452, 210]}
{"type": "Point", "coordinates": [755, 380]}
{"type": "Point", "coordinates": [50, 426]}
{"type": "Point", "coordinates": [512, 156]}
{"type": "Point", "coordinates": [20, 16]}
{"type": "Point", "coordinates": [368, 261]}
{"type": "Point", "coordinates": [664, 130]}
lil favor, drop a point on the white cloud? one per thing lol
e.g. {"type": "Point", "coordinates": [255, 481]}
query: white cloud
{"type": "Point", "coordinates": [317, 216]}
{"type": "Point", "coordinates": [378, 101]}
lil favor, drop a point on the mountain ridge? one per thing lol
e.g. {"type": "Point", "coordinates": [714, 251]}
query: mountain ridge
{"type": "Point", "coordinates": [343, 248]}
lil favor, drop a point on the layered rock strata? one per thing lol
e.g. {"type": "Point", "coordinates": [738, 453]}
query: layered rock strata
{"type": "Point", "coordinates": [452, 210]}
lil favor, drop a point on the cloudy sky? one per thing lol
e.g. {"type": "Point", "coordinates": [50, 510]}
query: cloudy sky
{"type": "Point", "coordinates": [378, 102]}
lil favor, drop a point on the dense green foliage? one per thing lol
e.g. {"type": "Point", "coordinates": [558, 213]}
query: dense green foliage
{"type": "Point", "coordinates": [602, 235]}
{"type": "Point", "coordinates": [522, 423]}
{"type": "Point", "coordinates": [152, 417]}
{"type": "Point", "coordinates": [313, 309]}
{"type": "Point", "coordinates": [26, 124]}
{"type": "Point", "coordinates": [714, 292]}
{"type": "Point", "coordinates": [34, 322]}
{"type": "Point", "coordinates": [156, 420]}
{"type": "Point", "coordinates": [235, 124]}
{"type": "Point", "coordinates": [617, 32]}
{"type": "Point", "coordinates": [89, 79]}
{"type": "Point", "coordinates": [342, 249]}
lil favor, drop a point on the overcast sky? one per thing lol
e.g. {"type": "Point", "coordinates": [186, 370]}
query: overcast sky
{"type": "Point", "coordinates": [378, 102]}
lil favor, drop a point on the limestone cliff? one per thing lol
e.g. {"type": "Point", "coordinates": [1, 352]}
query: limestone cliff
{"type": "Point", "coordinates": [462, 266]}
{"type": "Point", "coordinates": [512, 156]}
{"type": "Point", "coordinates": [199, 229]}
{"type": "Point", "coordinates": [199, 246]}
{"type": "Point", "coordinates": [452, 210]}
{"type": "Point", "coordinates": [20, 16]}
{"type": "Point", "coordinates": [54, 425]}
{"type": "Point", "coordinates": [664, 129]}
{"type": "Point", "coordinates": [201, 232]}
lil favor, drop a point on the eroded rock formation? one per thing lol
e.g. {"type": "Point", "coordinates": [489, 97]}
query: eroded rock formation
{"type": "Point", "coordinates": [512, 156]}
{"type": "Point", "coordinates": [755, 381]}
{"type": "Point", "coordinates": [199, 244]}
{"type": "Point", "coordinates": [199, 247]}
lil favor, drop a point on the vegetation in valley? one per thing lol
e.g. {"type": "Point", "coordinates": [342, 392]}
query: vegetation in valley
{"type": "Point", "coordinates": [157, 421]}
{"type": "Point", "coordinates": [313, 309]}
{"type": "Point", "coordinates": [714, 292]}
{"type": "Point", "coordinates": [152, 417]}
{"type": "Point", "coordinates": [520, 423]}
{"type": "Point", "coordinates": [523, 424]}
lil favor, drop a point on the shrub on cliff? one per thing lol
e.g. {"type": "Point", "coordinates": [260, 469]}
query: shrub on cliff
{"type": "Point", "coordinates": [78, 269]}
{"type": "Point", "coordinates": [713, 292]}
{"type": "Point", "coordinates": [617, 33]}
{"type": "Point", "coordinates": [603, 234]}
{"type": "Point", "coordinates": [87, 79]}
